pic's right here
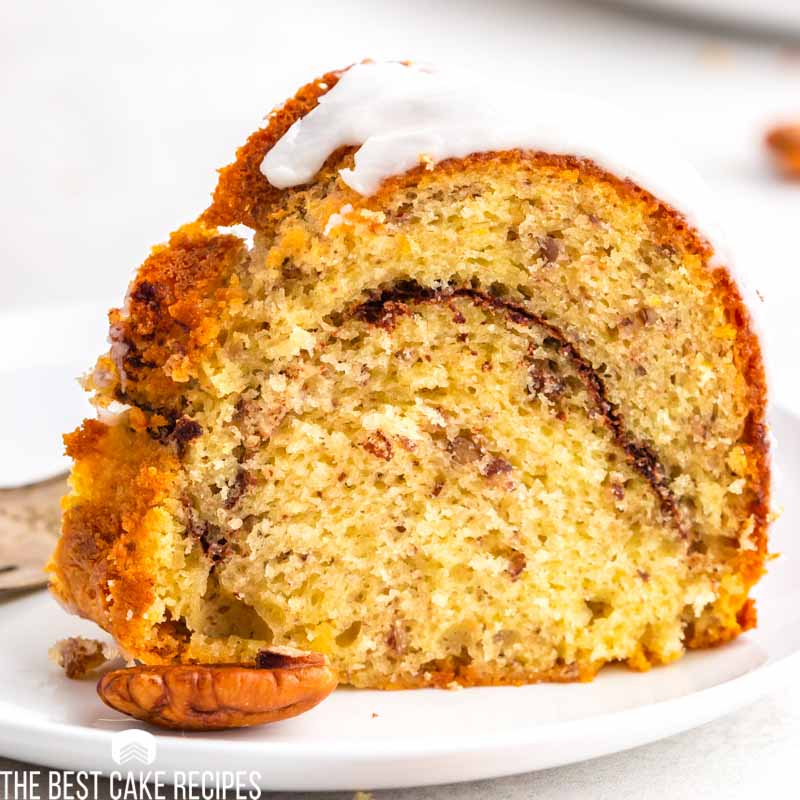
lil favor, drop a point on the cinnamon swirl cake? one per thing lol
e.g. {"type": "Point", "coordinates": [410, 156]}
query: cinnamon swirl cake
{"type": "Point", "coordinates": [481, 404]}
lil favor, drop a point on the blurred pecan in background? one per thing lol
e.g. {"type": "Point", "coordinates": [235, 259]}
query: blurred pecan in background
{"type": "Point", "coordinates": [783, 143]}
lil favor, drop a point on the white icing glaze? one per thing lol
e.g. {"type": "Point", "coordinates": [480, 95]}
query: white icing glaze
{"type": "Point", "coordinates": [400, 116]}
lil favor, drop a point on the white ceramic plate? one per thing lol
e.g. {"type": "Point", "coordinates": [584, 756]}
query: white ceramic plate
{"type": "Point", "coordinates": [365, 739]}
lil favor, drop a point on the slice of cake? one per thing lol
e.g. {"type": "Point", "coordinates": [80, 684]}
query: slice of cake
{"type": "Point", "coordinates": [473, 407]}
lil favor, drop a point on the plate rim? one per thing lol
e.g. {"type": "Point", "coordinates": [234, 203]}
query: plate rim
{"type": "Point", "coordinates": [779, 670]}
{"type": "Point", "coordinates": [435, 762]}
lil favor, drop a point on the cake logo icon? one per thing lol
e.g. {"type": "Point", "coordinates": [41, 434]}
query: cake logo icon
{"type": "Point", "coordinates": [133, 746]}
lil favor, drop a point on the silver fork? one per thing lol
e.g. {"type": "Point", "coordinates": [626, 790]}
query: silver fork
{"type": "Point", "coordinates": [29, 522]}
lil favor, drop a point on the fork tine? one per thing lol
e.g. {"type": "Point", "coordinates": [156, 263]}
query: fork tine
{"type": "Point", "coordinates": [24, 576]}
{"type": "Point", "coordinates": [29, 521]}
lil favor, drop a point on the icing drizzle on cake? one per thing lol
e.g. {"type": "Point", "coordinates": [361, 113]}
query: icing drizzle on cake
{"type": "Point", "coordinates": [400, 116]}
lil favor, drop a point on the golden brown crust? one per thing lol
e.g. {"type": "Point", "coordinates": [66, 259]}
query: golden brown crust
{"type": "Point", "coordinates": [750, 363]}
{"type": "Point", "coordinates": [449, 674]}
{"type": "Point", "coordinates": [102, 567]}
{"type": "Point", "coordinates": [202, 697]}
{"type": "Point", "coordinates": [243, 195]}
{"type": "Point", "coordinates": [173, 310]}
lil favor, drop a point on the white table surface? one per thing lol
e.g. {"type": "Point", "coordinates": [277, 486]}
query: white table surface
{"type": "Point", "coordinates": [116, 116]}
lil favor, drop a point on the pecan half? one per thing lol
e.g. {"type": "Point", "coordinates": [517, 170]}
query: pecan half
{"type": "Point", "coordinates": [783, 144]}
{"type": "Point", "coordinates": [203, 697]}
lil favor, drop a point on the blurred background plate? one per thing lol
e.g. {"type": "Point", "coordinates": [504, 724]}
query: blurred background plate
{"type": "Point", "coordinates": [757, 14]}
